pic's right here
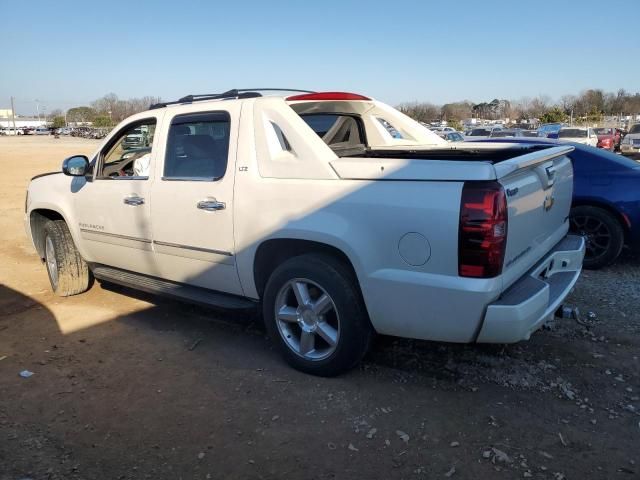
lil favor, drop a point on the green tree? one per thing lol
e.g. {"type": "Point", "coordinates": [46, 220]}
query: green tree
{"type": "Point", "coordinates": [102, 121]}
{"type": "Point", "coordinates": [81, 114]}
{"type": "Point", "coordinates": [58, 122]}
{"type": "Point", "coordinates": [553, 115]}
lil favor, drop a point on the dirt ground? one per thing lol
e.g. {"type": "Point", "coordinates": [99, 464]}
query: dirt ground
{"type": "Point", "coordinates": [127, 386]}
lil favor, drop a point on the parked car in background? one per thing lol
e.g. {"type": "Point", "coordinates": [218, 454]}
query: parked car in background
{"type": "Point", "coordinates": [630, 144]}
{"type": "Point", "coordinates": [583, 135]}
{"type": "Point", "coordinates": [451, 136]}
{"type": "Point", "coordinates": [325, 272]}
{"type": "Point", "coordinates": [11, 131]}
{"type": "Point", "coordinates": [609, 138]}
{"type": "Point", "coordinates": [139, 138]}
{"type": "Point", "coordinates": [482, 132]}
{"type": "Point", "coordinates": [549, 130]}
{"type": "Point", "coordinates": [42, 131]}
{"type": "Point", "coordinates": [28, 130]}
{"type": "Point", "coordinates": [606, 201]}
{"type": "Point", "coordinates": [513, 132]}
{"type": "Point", "coordinates": [442, 129]}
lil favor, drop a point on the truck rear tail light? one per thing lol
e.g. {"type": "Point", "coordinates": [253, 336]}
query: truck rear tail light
{"type": "Point", "coordinates": [327, 96]}
{"type": "Point", "coordinates": [482, 236]}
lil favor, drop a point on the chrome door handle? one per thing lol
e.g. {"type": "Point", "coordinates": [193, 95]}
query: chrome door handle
{"type": "Point", "coordinates": [134, 200]}
{"type": "Point", "coordinates": [211, 205]}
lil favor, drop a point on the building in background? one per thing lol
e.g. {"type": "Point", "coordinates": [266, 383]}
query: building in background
{"type": "Point", "coordinates": [6, 120]}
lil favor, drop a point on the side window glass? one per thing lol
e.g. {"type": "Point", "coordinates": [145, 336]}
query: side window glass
{"type": "Point", "coordinates": [198, 147]}
{"type": "Point", "coordinates": [129, 154]}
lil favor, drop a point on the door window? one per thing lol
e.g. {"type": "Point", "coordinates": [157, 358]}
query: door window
{"type": "Point", "coordinates": [197, 147]}
{"type": "Point", "coordinates": [128, 155]}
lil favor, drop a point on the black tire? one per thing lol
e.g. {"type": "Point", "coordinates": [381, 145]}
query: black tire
{"type": "Point", "coordinates": [603, 234]}
{"type": "Point", "coordinates": [72, 274]}
{"type": "Point", "coordinates": [339, 283]}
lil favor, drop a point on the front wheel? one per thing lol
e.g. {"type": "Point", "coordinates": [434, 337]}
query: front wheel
{"type": "Point", "coordinates": [68, 272]}
{"type": "Point", "coordinates": [314, 312]}
{"type": "Point", "coordinates": [602, 232]}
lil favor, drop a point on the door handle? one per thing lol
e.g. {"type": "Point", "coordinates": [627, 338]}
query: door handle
{"type": "Point", "coordinates": [134, 200]}
{"type": "Point", "coordinates": [211, 205]}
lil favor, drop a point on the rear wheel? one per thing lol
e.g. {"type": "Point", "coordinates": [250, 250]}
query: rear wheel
{"type": "Point", "coordinates": [603, 235]}
{"type": "Point", "coordinates": [314, 312]}
{"type": "Point", "coordinates": [68, 272]}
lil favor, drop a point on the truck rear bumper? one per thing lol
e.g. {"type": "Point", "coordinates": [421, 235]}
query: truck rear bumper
{"type": "Point", "coordinates": [532, 300]}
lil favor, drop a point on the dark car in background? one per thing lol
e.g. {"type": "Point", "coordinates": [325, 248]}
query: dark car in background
{"type": "Point", "coordinates": [609, 138]}
{"type": "Point", "coordinates": [513, 132]}
{"type": "Point", "coordinates": [606, 201]}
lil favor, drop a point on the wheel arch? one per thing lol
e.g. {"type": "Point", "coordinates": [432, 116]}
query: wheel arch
{"type": "Point", "coordinates": [38, 218]}
{"type": "Point", "coordinates": [272, 252]}
{"type": "Point", "coordinates": [617, 214]}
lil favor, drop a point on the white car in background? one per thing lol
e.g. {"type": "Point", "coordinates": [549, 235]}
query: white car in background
{"type": "Point", "coordinates": [630, 145]}
{"type": "Point", "coordinates": [583, 135]}
{"type": "Point", "coordinates": [442, 129]}
{"type": "Point", "coordinates": [11, 131]}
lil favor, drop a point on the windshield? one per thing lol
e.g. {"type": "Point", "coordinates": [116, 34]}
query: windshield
{"type": "Point", "coordinates": [572, 133]}
{"type": "Point", "coordinates": [603, 131]}
{"type": "Point", "coordinates": [635, 128]}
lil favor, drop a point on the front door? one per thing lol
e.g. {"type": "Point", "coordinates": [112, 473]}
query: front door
{"type": "Point", "coordinates": [192, 200]}
{"type": "Point", "coordinates": [113, 207]}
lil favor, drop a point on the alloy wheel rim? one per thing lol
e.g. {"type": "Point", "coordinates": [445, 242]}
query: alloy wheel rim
{"type": "Point", "coordinates": [596, 234]}
{"type": "Point", "coordinates": [307, 319]}
{"type": "Point", "coordinates": [52, 264]}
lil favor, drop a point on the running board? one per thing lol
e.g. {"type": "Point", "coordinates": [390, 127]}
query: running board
{"type": "Point", "coordinates": [180, 291]}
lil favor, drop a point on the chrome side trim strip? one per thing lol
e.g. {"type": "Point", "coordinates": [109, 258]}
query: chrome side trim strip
{"type": "Point", "coordinates": [197, 249]}
{"type": "Point", "coordinates": [190, 179]}
{"type": "Point", "coordinates": [155, 242]}
{"type": "Point", "coordinates": [115, 235]}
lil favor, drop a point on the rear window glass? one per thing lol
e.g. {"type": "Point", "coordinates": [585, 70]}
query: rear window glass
{"type": "Point", "coordinates": [635, 128]}
{"type": "Point", "coordinates": [603, 131]}
{"type": "Point", "coordinates": [336, 129]}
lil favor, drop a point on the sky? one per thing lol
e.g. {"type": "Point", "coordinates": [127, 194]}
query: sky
{"type": "Point", "coordinates": [67, 53]}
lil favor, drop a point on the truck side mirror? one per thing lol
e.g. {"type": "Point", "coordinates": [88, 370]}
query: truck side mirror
{"type": "Point", "coordinates": [76, 166]}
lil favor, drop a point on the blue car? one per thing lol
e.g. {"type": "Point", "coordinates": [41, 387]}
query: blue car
{"type": "Point", "coordinates": [606, 201]}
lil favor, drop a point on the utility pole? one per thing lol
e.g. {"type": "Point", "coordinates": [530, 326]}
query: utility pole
{"type": "Point", "coordinates": [13, 117]}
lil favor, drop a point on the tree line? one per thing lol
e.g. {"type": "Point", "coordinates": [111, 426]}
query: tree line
{"type": "Point", "coordinates": [588, 106]}
{"type": "Point", "coordinates": [104, 112]}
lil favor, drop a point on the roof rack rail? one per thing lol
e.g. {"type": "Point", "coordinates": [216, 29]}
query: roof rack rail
{"type": "Point", "coordinates": [233, 93]}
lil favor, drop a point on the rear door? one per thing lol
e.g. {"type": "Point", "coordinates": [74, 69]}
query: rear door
{"type": "Point", "coordinates": [538, 187]}
{"type": "Point", "coordinates": [192, 199]}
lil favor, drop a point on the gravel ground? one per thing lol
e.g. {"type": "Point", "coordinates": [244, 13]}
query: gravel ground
{"type": "Point", "coordinates": [128, 386]}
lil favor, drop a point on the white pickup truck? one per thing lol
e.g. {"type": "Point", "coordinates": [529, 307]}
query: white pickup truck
{"type": "Point", "coordinates": [337, 214]}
